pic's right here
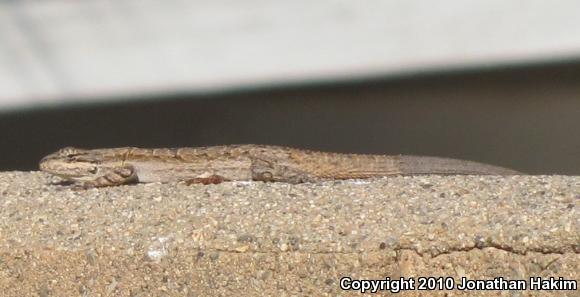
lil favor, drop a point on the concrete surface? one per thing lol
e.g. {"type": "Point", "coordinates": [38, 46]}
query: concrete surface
{"type": "Point", "coordinates": [258, 239]}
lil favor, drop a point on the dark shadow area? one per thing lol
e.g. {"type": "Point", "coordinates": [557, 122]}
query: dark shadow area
{"type": "Point", "coordinates": [524, 118]}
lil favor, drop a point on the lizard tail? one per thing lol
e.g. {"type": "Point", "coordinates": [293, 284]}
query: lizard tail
{"type": "Point", "coordinates": [431, 165]}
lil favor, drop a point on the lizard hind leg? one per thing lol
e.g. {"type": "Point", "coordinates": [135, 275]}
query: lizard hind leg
{"type": "Point", "coordinates": [119, 176]}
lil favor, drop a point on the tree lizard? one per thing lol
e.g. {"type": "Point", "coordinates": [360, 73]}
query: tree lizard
{"type": "Point", "coordinates": [215, 164]}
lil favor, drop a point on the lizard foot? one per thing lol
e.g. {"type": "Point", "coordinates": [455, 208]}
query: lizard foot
{"type": "Point", "coordinates": [119, 176]}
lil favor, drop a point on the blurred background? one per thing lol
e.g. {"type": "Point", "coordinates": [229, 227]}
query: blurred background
{"type": "Point", "coordinates": [492, 81]}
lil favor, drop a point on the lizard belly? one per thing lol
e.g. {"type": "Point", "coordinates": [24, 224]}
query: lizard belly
{"type": "Point", "coordinates": [148, 172]}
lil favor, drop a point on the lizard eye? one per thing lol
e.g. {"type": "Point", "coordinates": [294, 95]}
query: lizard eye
{"type": "Point", "coordinates": [72, 157]}
{"type": "Point", "coordinates": [93, 170]}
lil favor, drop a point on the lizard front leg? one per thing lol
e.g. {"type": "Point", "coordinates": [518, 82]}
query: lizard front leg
{"type": "Point", "coordinates": [117, 176]}
{"type": "Point", "coordinates": [267, 170]}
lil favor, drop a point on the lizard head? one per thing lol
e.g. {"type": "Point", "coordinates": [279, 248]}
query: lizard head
{"type": "Point", "coordinates": [75, 164]}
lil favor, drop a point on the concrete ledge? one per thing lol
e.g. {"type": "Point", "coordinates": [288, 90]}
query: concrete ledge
{"type": "Point", "coordinates": [258, 239]}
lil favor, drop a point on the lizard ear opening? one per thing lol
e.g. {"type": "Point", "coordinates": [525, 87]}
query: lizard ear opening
{"type": "Point", "coordinates": [266, 176]}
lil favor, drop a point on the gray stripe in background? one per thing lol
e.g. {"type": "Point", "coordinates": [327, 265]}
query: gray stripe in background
{"type": "Point", "coordinates": [56, 51]}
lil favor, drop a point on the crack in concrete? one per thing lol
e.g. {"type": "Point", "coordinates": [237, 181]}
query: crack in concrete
{"type": "Point", "coordinates": [397, 251]}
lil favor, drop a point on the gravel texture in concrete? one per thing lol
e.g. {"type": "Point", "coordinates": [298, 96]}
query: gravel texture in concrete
{"type": "Point", "coordinates": [261, 239]}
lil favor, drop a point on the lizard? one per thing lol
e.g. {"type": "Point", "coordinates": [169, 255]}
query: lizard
{"type": "Point", "coordinates": [88, 168]}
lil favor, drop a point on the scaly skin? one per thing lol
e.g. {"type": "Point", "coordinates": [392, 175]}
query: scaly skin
{"type": "Point", "coordinates": [116, 166]}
